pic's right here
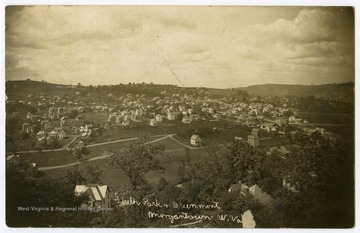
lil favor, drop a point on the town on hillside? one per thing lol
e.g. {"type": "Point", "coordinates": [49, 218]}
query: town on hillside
{"type": "Point", "coordinates": [104, 145]}
{"type": "Point", "coordinates": [206, 116]}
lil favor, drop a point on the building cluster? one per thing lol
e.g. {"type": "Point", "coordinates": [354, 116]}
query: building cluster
{"type": "Point", "coordinates": [50, 121]}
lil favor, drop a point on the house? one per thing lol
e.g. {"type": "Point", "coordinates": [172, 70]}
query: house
{"type": "Point", "coordinates": [287, 185]}
{"type": "Point", "coordinates": [112, 117]}
{"type": "Point", "coordinates": [265, 127]}
{"type": "Point", "coordinates": [106, 125]}
{"type": "Point", "coordinates": [79, 149]}
{"type": "Point", "coordinates": [40, 134]}
{"type": "Point", "coordinates": [86, 134]}
{"type": "Point", "coordinates": [31, 170]}
{"type": "Point", "coordinates": [173, 116]}
{"type": "Point", "coordinates": [29, 115]}
{"type": "Point", "coordinates": [61, 134]}
{"type": "Point", "coordinates": [127, 117]}
{"type": "Point", "coordinates": [52, 111]}
{"type": "Point", "coordinates": [294, 120]}
{"type": "Point", "coordinates": [238, 188]}
{"type": "Point", "coordinates": [186, 120]}
{"type": "Point", "coordinates": [253, 138]}
{"type": "Point", "coordinates": [258, 194]}
{"type": "Point", "coordinates": [45, 124]}
{"type": "Point", "coordinates": [52, 136]}
{"type": "Point", "coordinates": [89, 126]}
{"type": "Point", "coordinates": [62, 122]}
{"type": "Point", "coordinates": [254, 190]}
{"type": "Point", "coordinates": [242, 116]}
{"type": "Point", "coordinates": [99, 195]}
{"type": "Point", "coordinates": [12, 160]}
{"type": "Point", "coordinates": [154, 122]}
{"type": "Point", "coordinates": [28, 128]}
{"type": "Point", "coordinates": [158, 117]}
{"type": "Point", "coordinates": [195, 140]}
{"type": "Point", "coordinates": [320, 130]}
{"type": "Point", "coordinates": [126, 123]}
{"type": "Point", "coordinates": [60, 110]}
{"type": "Point", "coordinates": [41, 142]}
{"type": "Point", "coordinates": [25, 126]}
{"type": "Point", "coordinates": [217, 116]}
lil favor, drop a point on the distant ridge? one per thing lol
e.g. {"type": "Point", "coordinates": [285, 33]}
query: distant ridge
{"type": "Point", "coordinates": [339, 91]}
{"type": "Point", "coordinates": [17, 88]}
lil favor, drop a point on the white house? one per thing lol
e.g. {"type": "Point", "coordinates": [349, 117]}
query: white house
{"type": "Point", "coordinates": [12, 160]}
{"type": "Point", "coordinates": [158, 117]}
{"type": "Point", "coordinates": [61, 134]}
{"type": "Point", "coordinates": [173, 115]}
{"type": "Point", "coordinates": [186, 120]}
{"type": "Point", "coordinates": [99, 195]}
{"type": "Point", "coordinates": [154, 122]}
{"type": "Point", "coordinates": [195, 140]}
{"type": "Point", "coordinates": [254, 190]}
{"type": "Point", "coordinates": [40, 134]}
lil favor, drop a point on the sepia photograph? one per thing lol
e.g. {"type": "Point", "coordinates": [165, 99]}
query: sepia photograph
{"type": "Point", "coordinates": [149, 116]}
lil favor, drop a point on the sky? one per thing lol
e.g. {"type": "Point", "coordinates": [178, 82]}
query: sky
{"type": "Point", "coordinates": [192, 46]}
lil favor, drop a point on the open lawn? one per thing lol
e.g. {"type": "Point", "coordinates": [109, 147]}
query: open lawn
{"type": "Point", "coordinates": [55, 158]}
{"type": "Point", "coordinates": [110, 176]}
{"type": "Point", "coordinates": [166, 127]}
{"type": "Point", "coordinates": [97, 117]}
{"type": "Point", "coordinates": [45, 159]}
{"type": "Point", "coordinates": [222, 137]}
{"type": "Point", "coordinates": [121, 133]}
{"type": "Point", "coordinates": [170, 160]}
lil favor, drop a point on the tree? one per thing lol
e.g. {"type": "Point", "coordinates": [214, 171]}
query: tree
{"type": "Point", "coordinates": [137, 159]}
{"type": "Point", "coordinates": [288, 113]}
{"type": "Point", "coordinates": [24, 135]}
{"type": "Point", "coordinates": [162, 184]}
{"type": "Point", "coordinates": [322, 172]}
{"type": "Point", "coordinates": [242, 161]}
{"type": "Point", "coordinates": [73, 176]}
{"type": "Point", "coordinates": [93, 174]}
{"type": "Point", "coordinates": [73, 113]}
{"type": "Point", "coordinates": [22, 192]}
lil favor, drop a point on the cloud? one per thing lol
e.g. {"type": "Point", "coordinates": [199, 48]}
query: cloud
{"type": "Point", "coordinates": [231, 46]}
{"type": "Point", "coordinates": [317, 37]}
{"type": "Point", "coordinates": [39, 27]}
{"type": "Point", "coordinates": [310, 25]}
{"type": "Point", "coordinates": [177, 23]}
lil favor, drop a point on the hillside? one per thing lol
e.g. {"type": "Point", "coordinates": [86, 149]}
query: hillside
{"type": "Point", "coordinates": [343, 92]}
{"type": "Point", "coordinates": [15, 89]}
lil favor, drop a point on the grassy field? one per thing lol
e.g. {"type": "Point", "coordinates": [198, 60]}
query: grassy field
{"type": "Point", "coordinates": [97, 117]}
{"type": "Point", "coordinates": [170, 160]}
{"type": "Point", "coordinates": [167, 127]}
{"type": "Point", "coordinates": [45, 159]}
{"type": "Point", "coordinates": [55, 158]}
{"type": "Point", "coordinates": [17, 90]}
